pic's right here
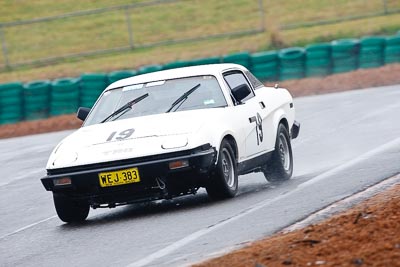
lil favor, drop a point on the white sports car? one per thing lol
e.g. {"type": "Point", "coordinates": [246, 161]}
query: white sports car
{"type": "Point", "coordinates": [168, 133]}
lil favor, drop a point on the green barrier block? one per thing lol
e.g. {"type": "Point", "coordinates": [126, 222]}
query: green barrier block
{"type": "Point", "coordinates": [343, 68]}
{"type": "Point", "coordinates": [373, 41]}
{"type": "Point", "coordinates": [12, 121]}
{"type": "Point", "coordinates": [317, 72]}
{"type": "Point", "coordinates": [242, 58]}
{"type": "Point", "coordinates": [345, 54]}
{"type": "Point", "coordinates": [119, 75]}
{"type": "Point", "coordinates": [291, 76]}
{"type": "Point", "coordinates": [149, 69]}
{"type": "Point", "coordinates": [320, 55]}
{"type": "Point", "coordinates": [370, 64]}
{"type": "Point", "coordinates": [67, 96]}
{"type": "Point", "coordinates": [291, 54]}
{"type": "Point", "coordinates": [392, 54]}
{"type": "Point", "coordinates": [10, 113]}
{"type": "Point", "coordinates": [205, 61]}
{"type": "Point", "coordinates": [263, 66]}
{"type": "Point", "coordinates": [61, 107]}
{"type": "Point", "coordinates": [13, 89]}
{"type": "Point", "coordinates": [42, 100]}
{"type": "Point", "coordinates": [9, 121]}
{"type": "Point", "coordinates": [345, 45]}
{"type": "Point", "coordinates": [94, 77]}
{"type": "Point", "coordinates": [87, 102]}
{"type": "Point", "coordinates": [93, 84]}
{"type": "Point", "coordinates": [266, 76]}
{"type": "Point", "coordinates": [393, 40]}
{"type": "Point", "coordinates": [263, 57]}
{"type": "Point", "coordinates": [11, 100]}
{"type": "Point", "coordinates": [9, 118]}
{"type": "Point", "coordinates": [62, 112]}
{"type": "Point", "coordinates": [65, 85]}
{"type": "Point", "coordinates": [318, 51]}
{"type": "Point", "coordinates": [175, 64]}
{"type": "Point", "coordinates": [371, 52]}
{"type": "Point", "coordinates": [292, 63]}
{"type": "Point", "coordinates": [37, 88]}
{"type": "Point", "coordinates": [318, 47]}
{"type": "Point", "coordinates": [90, 94]}
{"type": "Point", "coordinates": [318, 63]}
{"type": "Point", "coordinates": [36, 99]}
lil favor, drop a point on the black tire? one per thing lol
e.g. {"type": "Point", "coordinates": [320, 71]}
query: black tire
{"type": "Point", "coordinates": [70, 211]}
{"type": "Point", "coordinates": [280, 166]}
{"type": "Point", "coordinates": [224, 181]}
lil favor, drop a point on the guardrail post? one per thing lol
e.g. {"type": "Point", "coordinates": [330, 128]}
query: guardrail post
{"type": "Point", "coordinates": [385, 10]}
{"type": "Point", "coordinates": [262, 14]}
{"type": "Point", "coordinates": [4, 47]}
{"type": "Point", "coordinates": [129, 26]}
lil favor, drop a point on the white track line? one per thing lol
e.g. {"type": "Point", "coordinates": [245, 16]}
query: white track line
{"type": "Point", "coordinates": [23, 176]}
{"type": "Point", "coordinates": [365, 156]}
{"type": "Point", "coordinates": [196, 235]}
{"type": "Point", "coordinates": [28, 226]}
{"type": "Point", "coordinates": [343, 204]}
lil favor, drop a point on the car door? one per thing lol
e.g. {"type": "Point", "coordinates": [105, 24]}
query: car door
{"type": "Point", "coordinates": [267, 98]}
{"type": "Point", "coordinates": [249, 114]}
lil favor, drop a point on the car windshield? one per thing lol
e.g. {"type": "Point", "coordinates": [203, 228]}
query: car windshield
{"type": "Point", "coordinates": [163, 96]}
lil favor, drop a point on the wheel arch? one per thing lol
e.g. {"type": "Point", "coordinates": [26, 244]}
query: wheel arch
{"type": "Point", "coordinates": [231, 140]}
{"type": "Point", "coordinates": [285, 123]}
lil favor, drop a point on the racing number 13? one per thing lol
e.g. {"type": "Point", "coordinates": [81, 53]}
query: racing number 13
{"type": "Point", "coordinates": [122, 135]}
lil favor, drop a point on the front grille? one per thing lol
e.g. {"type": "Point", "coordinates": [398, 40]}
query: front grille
{"type": "Point", "coordinates": [119, 163]}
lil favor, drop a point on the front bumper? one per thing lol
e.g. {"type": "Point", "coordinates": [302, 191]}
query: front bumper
{"type": "Point", "coordinates": [295, 130]}
{"type": "Point", "coordinates": [157, 179]}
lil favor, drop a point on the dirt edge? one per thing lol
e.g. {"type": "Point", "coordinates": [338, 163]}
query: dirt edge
{"type": "Point", "coordinates": [366, 235]}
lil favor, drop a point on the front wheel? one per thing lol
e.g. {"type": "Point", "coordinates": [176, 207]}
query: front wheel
{"type": "Point", "coordinates": [280, 165]}
{"type": "Point", "coordinates": [69, 210]}
{"type": "Point", "coordinates": [224, 182]}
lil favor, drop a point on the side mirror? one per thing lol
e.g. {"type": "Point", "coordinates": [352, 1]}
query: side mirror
{"type": "Point", "coordinates": [82, 113]}
{"type": "Point", "coordinates": [240, 92]}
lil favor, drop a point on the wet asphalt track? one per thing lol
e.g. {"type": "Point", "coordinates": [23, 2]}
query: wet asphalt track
{"type": "Point", "coordinates": [348, 141]}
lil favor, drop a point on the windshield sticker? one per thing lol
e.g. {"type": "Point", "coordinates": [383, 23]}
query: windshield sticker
{"type": "Point", "coordinates": [155, 83]}
{"type": "Point", "coordinates": [209, 102]}
{"type": "Point", "coordinates": [132, 87]}
{"type": "Point", "coordinates": [207, 77]}
{"type": "Point", "coordinates": [107, 93]}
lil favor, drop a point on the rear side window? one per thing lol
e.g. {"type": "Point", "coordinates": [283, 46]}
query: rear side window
{"type": "Point", "coordinates": [253, 80]}
{"type": "Point", "coordinates": [236, 78]}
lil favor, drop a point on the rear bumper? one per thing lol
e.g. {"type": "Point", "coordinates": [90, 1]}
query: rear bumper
{"type": "Point", "coordinates": [157, 180]}
{"type": "Point", "coordinates": [295, 130]}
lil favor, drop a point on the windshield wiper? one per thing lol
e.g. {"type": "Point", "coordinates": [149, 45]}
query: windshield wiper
{"type": "Point", "coordinates": [122, 110]}
{"type": "Point", "coordinates": [182, 98]}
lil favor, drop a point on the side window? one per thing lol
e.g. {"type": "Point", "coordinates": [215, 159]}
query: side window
{"type": "Point", "coordinates": [253, 80]}
{"type": "Point", "coordinates": [236, 78]}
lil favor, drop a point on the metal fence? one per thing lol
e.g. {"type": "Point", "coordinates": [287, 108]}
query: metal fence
{"type": "Point", "coordinates": [310, 13]}
{"type": "Point", "coordinates": [120, 28]}
{"type": "Point", "coordinates": [160, 22]}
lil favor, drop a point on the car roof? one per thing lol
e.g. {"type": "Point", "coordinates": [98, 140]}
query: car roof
{"type": "Point", "coordinates": [212, 69]}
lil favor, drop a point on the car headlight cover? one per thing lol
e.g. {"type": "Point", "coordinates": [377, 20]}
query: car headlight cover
{"type": "Point", "coordinates": [176, 141]}
{"type": "Point", "coordinates": [65, 158]}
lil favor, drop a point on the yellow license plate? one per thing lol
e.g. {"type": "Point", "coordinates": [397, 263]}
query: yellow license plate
{"type": "Point", "coordinates": [120, 177]}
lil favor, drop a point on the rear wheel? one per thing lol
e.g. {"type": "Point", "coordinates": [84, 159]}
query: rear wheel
{"type": "Point", "coordinates": [69, 210]}
{"type": "Point", "coordinates": [280, 165]}
{"type": "Point", "coordinates": [224, 182]}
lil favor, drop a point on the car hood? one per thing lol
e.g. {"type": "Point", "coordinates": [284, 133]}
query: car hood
{"type": "Point", "coordinates": [155, 134]}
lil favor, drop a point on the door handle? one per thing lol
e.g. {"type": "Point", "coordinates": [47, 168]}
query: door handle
{"type": "Point", "coordinates": [252, 119]}
{"type": "Point", "coordinates": [262, 105]}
